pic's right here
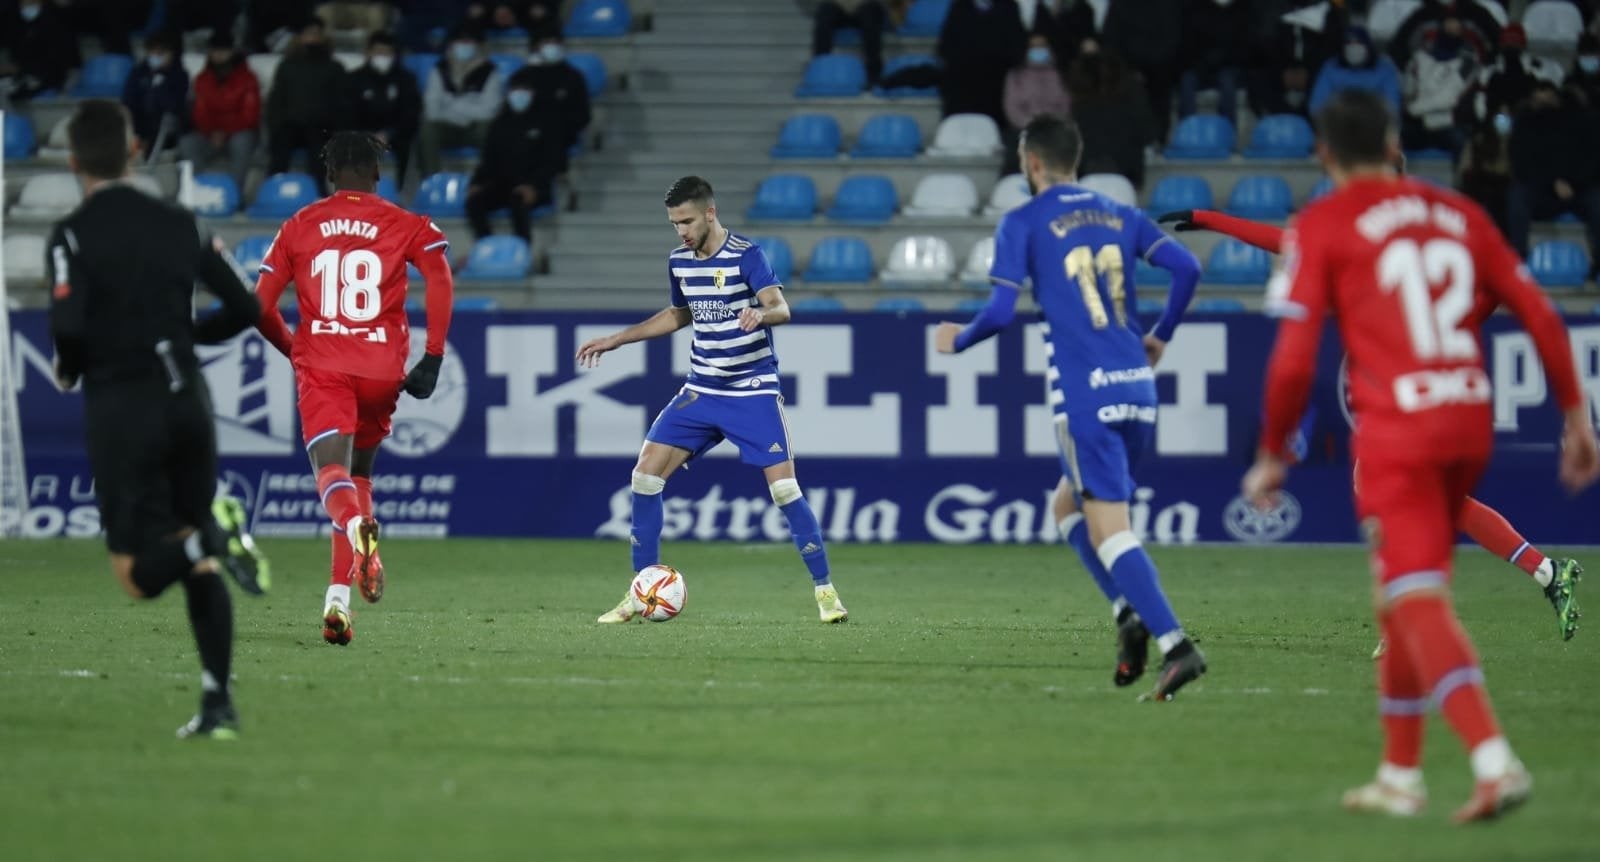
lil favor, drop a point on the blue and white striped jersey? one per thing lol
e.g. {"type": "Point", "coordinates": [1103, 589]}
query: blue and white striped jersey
{"type": "Point", "coordinates": [725, 360]}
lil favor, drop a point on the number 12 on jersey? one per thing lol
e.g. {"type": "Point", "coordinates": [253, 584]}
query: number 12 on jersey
{"type": "Point", "coordinates": [349, 284]}
{"type": "Point", "coordinates": [1088, 267]}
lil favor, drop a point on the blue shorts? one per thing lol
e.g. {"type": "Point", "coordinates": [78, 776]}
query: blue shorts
{"type": "Point", "coordinates": [697, 421]}
{"type": "Point", "coordinates": [1098, 458]}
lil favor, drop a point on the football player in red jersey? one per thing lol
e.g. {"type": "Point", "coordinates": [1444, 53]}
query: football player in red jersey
{"type": "Point", "coordinates": [347, 256]}
{"type": "Point", "coordinates": [1400, 264]}
{"type": "Point", "coordinates": [1558, 577]}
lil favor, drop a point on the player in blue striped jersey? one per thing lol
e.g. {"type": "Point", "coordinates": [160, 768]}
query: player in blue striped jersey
{"type": "Point", "coordinates": [723, 286]}
{"type": "Point", "coordinates": [1078, 248]}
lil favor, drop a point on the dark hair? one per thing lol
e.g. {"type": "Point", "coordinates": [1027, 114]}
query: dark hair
{"type": "Point", "coordinates": [310, 21]}
{"type": "Point", "coordinates": [354, 152]}
{"type": "Point", "coordinates": [689, 189]}
{"type": "Point", "coordinates": [161, 40]}
{"type": "Point", "coordinates": [381, 37]}
{"type": "Point", "coordinates": [98, 134]}
{"type": "Point", "coordinates": [1356, 126]}
{"type": "Point", "coordinates": [1055, 140]}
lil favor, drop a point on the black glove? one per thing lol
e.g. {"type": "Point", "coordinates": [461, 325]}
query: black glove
{"type": "Point", "coordinates": [1181, 220]}
{"type": "Point", "coordinates": [423, 377]}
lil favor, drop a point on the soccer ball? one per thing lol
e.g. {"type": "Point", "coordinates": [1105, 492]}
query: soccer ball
{"type": "Point", "coordinates": [658, 593]}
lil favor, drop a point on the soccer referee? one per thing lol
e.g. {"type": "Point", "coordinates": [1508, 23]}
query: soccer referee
{"type": "Point", "coordinates": [125, 267]}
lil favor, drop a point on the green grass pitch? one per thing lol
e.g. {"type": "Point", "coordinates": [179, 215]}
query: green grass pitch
{"type": "Point", "coordinates": [965, 713]}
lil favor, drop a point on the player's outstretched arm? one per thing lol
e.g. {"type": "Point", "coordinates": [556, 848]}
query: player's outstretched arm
{"type": "Point", "coordinates": [664, 322]}
{"type": "Point", "coordinates": [1263, 236]}
{"type": "Point", "coordinates": [240, 309]}
{"type": "Point", "coordinates": [771, 309]}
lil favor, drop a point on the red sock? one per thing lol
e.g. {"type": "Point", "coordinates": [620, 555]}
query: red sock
{"type": "Point", "coordinates": [343, 559]}
{"type": "Point", "coordinates": [364, 493]}
{"type": "Point", "coordinates": [1402, 703]}
{"type": "Point", "coordinates": [1491, 530]}
{"type": "Point", "coordinates": [338, 494]}
{"type": "Point", "coordinates": [1445, 663]}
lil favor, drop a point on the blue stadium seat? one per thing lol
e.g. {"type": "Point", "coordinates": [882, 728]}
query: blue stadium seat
{"type": "Point", "coordinates": [1181, 192]}
{"type": "Point", "coordinates": [784, 197]}
{"type": "Point", "coordinates": [508, 64]}
{"type": "Point", "coordinates": [779, 255]}
{"type": "Point", "coordinates": [20, 140]}
{"type": "Point", "coordinates": [900, 305]}
{"type": "Point", "coordinates": [1202, 136]}
{"type": "Point", "coordinates": [1559, 263]}
{"type": "Point", "coordinates": [888, 136]}
{"type": "Point", "coordinates": [1262, 197]}
{"type": "Point", "coordinates": [593, 69]}
{"type": "Point", "coordinates": [498, 257]}
{"type": "Point", "coordinates": [1145, 274]}
{"type": "Point", "coordinates": [420, 65]}
{"type": "Point", "coordinates": [907, 61]}
{"type": "Point", "coordinates": [250, 251]}
{"type": "Point", "coordinates": [215, 195]}
{"type": "Point", "coordinates": [832, 75]}
{"type": "Point", "coordinates": [1322, 187]}
{"type": "Point", "coordinates": [599, 19]}
{"type": "Point", "coordinates": [506, 34]}
{"type": "Point", "coordinates": [808, 136]}
{"type": "Point", "coordinates": [389, 191]}
{"type": "Point", "coordinates": [443, 195]}
{"type": "Point", "coordinates": [1280, 136]}
{"type": "Point", "coordinates": [1217, 305]}
{"type": "Point", "coordinates": [864, 199]}
{"type": "Point", "coordinates": [282, 194]}
{"type": "Point", "coordinates": [840, 258]}
{"type": "Point", "coordinates": [818, 305]}
{"type": "Point", "coordinates": [925, 18]}
{"type": "Point", "coordinates": [970, 305]}
{"type": "Point", "coordinates": [1233, 262]}
{"type": "Point", "coordinates": [473, 304]}
{"type": "Point", "coordinates": [1150, 307]}
{"type": "Point", "coordinates": [103, 76]}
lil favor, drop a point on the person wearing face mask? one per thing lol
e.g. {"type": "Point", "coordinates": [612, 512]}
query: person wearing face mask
{"type": "Point", "coordinates": [385, 100]}
{"type": "Point", "coordinates": [463, 93]}
{"type": "Point", "coordinates": [306, 104]}
{"type": "Point", "coordinates": [1212, 47]}
{"type": "Point", "coordinates": [558, 88]}
{"type": "Point", "coordinates": [1553, 167]}
{"type": "Point", "coordinates": [521, 155]}
{"type": "Point", "coordinates": [41, 47]}
{"type": "Point", "coordinates": [1584, 78]}
{"type": "Point", "coordinates": [1358, 66]}
{"type": "Point", "coordinates": [156, 95]}
{"type": "Point", "coordinates": [1503, 85]}
{"type": "Point", "coordinates": [227, 111]}
{"type": "Point", "coordinates": [1436, 77]}
{"type": "Point", "coordinates": [1032, 88]}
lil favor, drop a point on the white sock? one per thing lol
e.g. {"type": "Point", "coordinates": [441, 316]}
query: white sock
{"type": "Point", "coordinates": [1407, 778]}
{"type": "Point", "coordinates": [339, 594]}
{"type": "Point", "coordinates": [1545, 573]}
{"type": "Point", "coordinates": [193, 550]}
{"type": "Point", "coordinates": [1492, 759]}
{"type": "Point", "coordinates": [1170, 640]}
{"type": "Point", "coordinates": [825, 585]}
{"type": "Point", "coordinates": [1117, 607]}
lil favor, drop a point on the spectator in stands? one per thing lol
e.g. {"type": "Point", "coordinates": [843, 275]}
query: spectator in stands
{"type": "Point", "coordinates": [1288, 49]}
{"type": "Point", "coordinates": [306, 104]}
{"type": "Point", "coordinates": [227, 110]}
{"type": "Point", "coordinates": [385, 100]}
{"type": "Point", "coordinates": [462, 95]}
{"type": "Point", "coordinates": [156, 95]}
{"type": "Point", "coordinates": [1553, 167]}
{"type": "Point", "coordinates": [1468, 21]}
{"type": "Point", "coordinates": [868, 16]}
{"type": "Point", "coordinates": [1502, 86]}
{"type": "Point", "coordinates": [979, 43]}
{"type": "Point", "coordinates": [367, 16]}
{"type": "Point", "coordinates": [271, 23]}
{"type": "Point", "coordinates": [1112, 114]}
{"type": "Point", "coordinates": [1357, 67]}
{"type": "Point", "coordinates": [422, 20]}
{"type": "Point", "coordinates": [1213, 46]}
{"type": "Point", "coordinates": [1032, 88]}
{"type": "Point", "coordinates": [1068, 24]}
{"type": "Point", "coordinates": [559, 89]}
{"type": "Point", "coordinates": [521, 155]}
{"type": "Point", "coordinates": [1584, 79]}
{"type": "Point", "coordinates": [539, 17]}
{"type": "Point", "coordinates": [41, 50]}
{"type": "Point", "coordinates": [1148, 35]}
{"type": "Point", "coordinates": [1436, 77]}
{"type": "Point", "coordinates": [1484, 171]}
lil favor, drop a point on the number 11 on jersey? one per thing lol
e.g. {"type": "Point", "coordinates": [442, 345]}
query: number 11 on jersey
{"type": "Point", "coordinates": [1087, 267]}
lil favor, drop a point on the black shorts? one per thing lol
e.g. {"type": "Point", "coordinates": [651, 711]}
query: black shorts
{"type": "Point", "coordinates": [154, 456]}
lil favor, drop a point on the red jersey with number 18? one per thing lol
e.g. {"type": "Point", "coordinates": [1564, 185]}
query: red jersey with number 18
{"type": "Point", "coordinates": [347, 256]}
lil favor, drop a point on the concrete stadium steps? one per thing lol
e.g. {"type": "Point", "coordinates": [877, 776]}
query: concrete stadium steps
{"type": "Point", "coordinates": [736, 184]}
{"type": "Point", "coordinates": [740, 112]}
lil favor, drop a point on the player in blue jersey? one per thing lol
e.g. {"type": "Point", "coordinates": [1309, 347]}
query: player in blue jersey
{"type": "Point", "coordinates": [1078, 250]}
{"type": "Point", "coordinates": [722, 285]}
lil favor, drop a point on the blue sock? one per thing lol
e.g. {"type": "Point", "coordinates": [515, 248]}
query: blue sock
{"type": "Point", "coordinates": [646, 536]}
{"type": "Point", "coordinates": [1135, 574]}
{"type": "Point", "coordinates": [1077, 534]}
{"type": "Point", "coordinates": [808, 538]}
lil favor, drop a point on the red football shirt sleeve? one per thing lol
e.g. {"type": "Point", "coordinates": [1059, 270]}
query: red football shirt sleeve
{"type": "Point", "coordinates": [429, 250]}
{"type": "Point", "coordinates": [1299, 295]}
{"type": "Point", "coordinates": [276, 271]}
{"type": "Point", "coordinates": [1502, 272]}
{"type": "Point", "coordinates": [1263, 236]}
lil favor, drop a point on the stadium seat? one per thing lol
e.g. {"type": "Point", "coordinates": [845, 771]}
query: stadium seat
{"type": "Point", "coordinates": [442, 195]}
{"type": "Point", "coordinates": [818, 305]}
{"type": "Point", "coordinates": [1386, 16]}
{"type": "Point", "coordinates": [599, 19]}
{"type": "Point", "coordinates": [919, 259]}
{"type": "Point", "coordinates": [24, 260]}
{"type": "Point", "coordinates": [943, 196]}
{"type": "Point", "coordinates": [1280, 136]}
{"type": "Point", "coordinates": [900, 305]}
{"type": "Point", "coordinates": [1181, 192]}
{"type": "Point", "coordinates": [1552, 25]}
{"type": "Point", "coordinates": [925, 18]}
{"type": "Point", "coordinates": [1234, 262]}
{"type": "Point", "coordinates": [1217, 305]}
{"type": "Point", "coordinates": [1150, 307]}
{"type": "Point", "coordinates": [832, 76]}
{"type": "Point", "coordinates": [593, 69]}
{"type": "Point", "coordinates": [864, 199]}
{"type": "Point", "coordinates": [976, 272]}
{"type": "Point", "coordinates": [1008, 194]}
{"type": "Point", "coordinates": [1261, 197]}
{"type": "Point", "coordinates": [498, 257]}
{"type": "Point", "coordinates": [20, 140]}
{"type": "Point", "coordinates": [1145, 274]}
{"type": "Point", "coordinates": [389, 191]}
{"type": "Point", "coordinates": [784, 197]}
{"type": "Point", "coordinates": [779, 255]}
{"type": "Point", "coordinates": [907, 61]}
{"type": "Point", "coordinates": [216, 195]}
{"type": "Point", "coordinates": [421, 65]}
{"type": "Point", "coordinates": [282, 194]}
{"type": "Point", "coordinates": [970, 305]}
{"type": "Point", "coordinates": [962, 136]}
{"type": "Point", "coordinates": [808, 136]}
{"type": "Point", "coordinates": [1559, 263]}
{"type": "Point", "coordinates": [265, 67]}
{"type": "Point", "coordinates": [47, 196]}
{"type": "Point", "coordinates": [888, 136]}
{"type": "Point", "coordinates": [250, 251]}
{"type": "Point", "coordinates": [472, 304]}
{"type": "Point", "coordinates": [508, 64]}
{"type": "Point", "coordinates": [103, 76]}
{"type": "Point", "coordinates": [1322, 187]}
{"type": "Point", "coordinates": [1202, 136]}
{"type": "Point", "coordinates": [1114, 186]}
{"type": "Point", "coordinates": [840, 258]}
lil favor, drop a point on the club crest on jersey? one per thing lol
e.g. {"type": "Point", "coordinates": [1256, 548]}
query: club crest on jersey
{"type": "Point", "coordinates": [718, 279]}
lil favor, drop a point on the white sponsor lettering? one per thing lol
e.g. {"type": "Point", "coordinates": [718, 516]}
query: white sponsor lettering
{"type": "Point", "coordinates": [1422, 390]}
{"type": "Point", "coordinates": [528, 423]}
{"type": "Point", "coordinates": [1100, 378]}
{"type": "Point", "coordinates": [1126, 413]}
{"type": "Point", "coordinates": [964, 513]}
{"type": "Point", "coordinates": [961, 425]}
{"type": "Point", "coordinates": [1190, 425]}
{"type": "Point", "coordinates": [745, 519]}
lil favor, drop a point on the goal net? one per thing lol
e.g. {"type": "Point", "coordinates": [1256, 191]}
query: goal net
{"type": "Point", "coordinates": [13, 477]}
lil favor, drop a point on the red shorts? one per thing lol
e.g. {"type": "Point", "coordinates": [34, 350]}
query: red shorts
{"type": "Point", "coordinates": [332, 402]}
{"type": "Point", "coordinates": [1411, 512]}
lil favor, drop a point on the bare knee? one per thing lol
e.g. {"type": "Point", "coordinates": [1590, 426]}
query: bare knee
{"type": "Point", "coordinates": [1063, 503]}
{"type": "Point", "coordinates": [122, 568]}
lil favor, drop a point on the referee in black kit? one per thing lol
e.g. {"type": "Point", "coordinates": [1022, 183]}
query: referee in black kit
{"type": "Point", "coordinates": [124, 266]}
